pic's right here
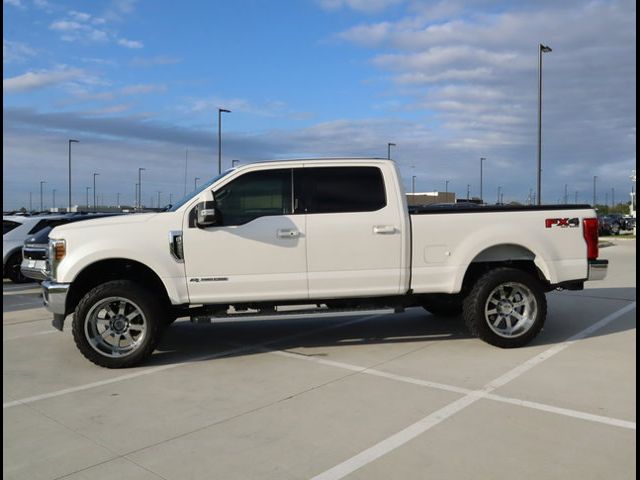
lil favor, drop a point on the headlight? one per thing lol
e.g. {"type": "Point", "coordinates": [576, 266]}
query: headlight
{"type": "Point", "coordinates": [57, 251]}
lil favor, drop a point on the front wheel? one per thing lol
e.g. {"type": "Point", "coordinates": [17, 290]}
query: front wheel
{"type": "Point", "coordinates": [118, 324]}
{"type": "Point", "coordinates": [12, 269]}
{"type": "Point", "coordinates": [506, 308]}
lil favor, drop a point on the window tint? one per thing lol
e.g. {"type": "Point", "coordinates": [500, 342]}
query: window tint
{"type": "Point", "coordinates": [253, 195]}
{"type": "Point", "coordinates": [343, 189]}
{"type": "Point", "coordinates": [47, 223]}
{"type": "Point", "coordinates": [8, 225]}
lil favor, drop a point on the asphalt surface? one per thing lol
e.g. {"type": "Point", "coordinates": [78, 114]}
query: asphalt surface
{"type": "Point", "coordinates": [373, 396]}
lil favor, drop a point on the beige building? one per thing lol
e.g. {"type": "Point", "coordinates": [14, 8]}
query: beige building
{"type": "Point", "coordinates": [428, 198]}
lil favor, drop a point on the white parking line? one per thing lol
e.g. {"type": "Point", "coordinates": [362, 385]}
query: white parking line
{"type": "Point", "coordinates": [149, 371]}
{"type": "Point", "coordinates": [27, 335]}
{"type": "Point", "coordinates": [421, 426]}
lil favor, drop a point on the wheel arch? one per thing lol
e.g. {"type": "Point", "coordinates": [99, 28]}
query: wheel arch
{"type": "Point", "coordinates": [106, 270]}
{"type": "Point", "coordinates": [505, 255]}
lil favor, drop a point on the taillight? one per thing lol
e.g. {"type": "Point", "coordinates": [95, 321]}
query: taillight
{"type": "Point", "coordinates": [590, 232]}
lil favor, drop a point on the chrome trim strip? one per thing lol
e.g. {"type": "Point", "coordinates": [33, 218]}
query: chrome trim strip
{"type": "Point", "coordinates": [173, 235]}
{"type": "Point", "coordinates": [54, 296]}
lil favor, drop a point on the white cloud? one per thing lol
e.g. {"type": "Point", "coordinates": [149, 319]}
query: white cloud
{"type": "Point", "coordinates": [16, 51]}
{"type": "Point", "coordinates": [142, 89]}
{"type": "Point", "coordinates": [14, 3]}
{"type": "Point", "coordinates": [36, 80]}
{"type": "Point", "coordinates": [366, 6]}
{"type": "Point", "coordinates": [152, 61]}
{"type": "Point", "coordinates": [130, 43]}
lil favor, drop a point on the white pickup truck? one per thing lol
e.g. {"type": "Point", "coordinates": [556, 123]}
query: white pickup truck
{"type": "Point", "coordinates": [335, 233]}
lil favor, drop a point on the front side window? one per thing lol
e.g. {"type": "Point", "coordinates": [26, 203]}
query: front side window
{"type": "Point", "coordinates": [343, 189]}
{"type": "Point", "coordinates": [8, 225]}
{"type": "Point", "coordinates": [253, 195]}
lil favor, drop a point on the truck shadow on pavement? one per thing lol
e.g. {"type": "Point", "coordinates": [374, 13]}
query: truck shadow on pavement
{"type": "Point", "coordinates": [569, 313]}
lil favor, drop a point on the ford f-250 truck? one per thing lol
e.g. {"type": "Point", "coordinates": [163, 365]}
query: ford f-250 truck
{"type": "Point", "coordinates": [336, 233]}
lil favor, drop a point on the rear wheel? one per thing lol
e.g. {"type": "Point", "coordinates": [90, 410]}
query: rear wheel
{"type": "Point", "coordinates": [506, 308]}
{"type": "Point", "coordinates": [12, 269]}
{"type": "Point", "coordinates": [118, 324]}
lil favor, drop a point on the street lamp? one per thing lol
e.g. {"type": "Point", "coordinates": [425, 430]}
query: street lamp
{"type": "Point", "coordinates": [541, 49]}
{"type": "Point", "coordinates": [446, 186]}
{"type": "Point", "coordinates": [54, 198]}
{"type": "Point", "coordinates": [118, 199]}
{"type": "Point", "coordinates": [594, 190]}
{"type": "Point", "coordinates": [468, 190]}
{"type": "Point", "coordinates": [95, 205]}
{"type": "Point", "coordinates": [195, 183]}
{"type": "Point", "coordinates": [140, 187]}
{"type": "Point", "coordinates": [220, 110]}
{"type": "Point", "coordinates": [389, 145]}
{"type": "Point", "coordinates": [70, 142]}
{"type": "Point", "coordinates": [42, 182]}
{"type": "Point", "coordinates": [413, 184]}
{"type": "Point", "coordinates": [87, 192]}
{"type": "Point", "coordinates": [499, 188]}
{"type": "Point", "coordinates": [482, 159]}
{"type": "Point", "coordinates": [566, 194]}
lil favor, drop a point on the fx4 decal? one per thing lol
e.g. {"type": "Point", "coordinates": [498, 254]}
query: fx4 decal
{"type": "Point", "coordinates": [562, 222]}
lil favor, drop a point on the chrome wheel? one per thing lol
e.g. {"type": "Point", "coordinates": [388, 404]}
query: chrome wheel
{"type": "Point", "coordinates": [115, 327]}
{"type": "Point", "coordinates": [511, 310]}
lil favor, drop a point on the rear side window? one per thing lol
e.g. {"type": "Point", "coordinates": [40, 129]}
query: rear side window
{"type": "Point", "coordinates": [342, 189]}
{"type": "Point", "coordinates": [47, 223]}
{"type": "Point", "coordinates": [254, 195]}
{"type": "Point", "coordinates": [8, 225]}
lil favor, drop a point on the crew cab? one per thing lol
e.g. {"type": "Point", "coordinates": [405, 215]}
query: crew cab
{"type": "Point", "coordinates": [335, 233]}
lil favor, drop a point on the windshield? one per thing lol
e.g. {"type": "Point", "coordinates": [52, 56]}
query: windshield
{"type": "Point", "coordinates": [175, 206]}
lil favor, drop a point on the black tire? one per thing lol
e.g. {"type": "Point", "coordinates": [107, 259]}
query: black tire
{"type": "Point", "coordinates": [150, 316]}
{"type": "Point", "coordinates": [615, 229]}
{"type": "Point", "coordinates": [443, 305]}
{"type": "Point", "coordinates": [12, 269]}
{"type": "Point", "coordinates": [492, 327]}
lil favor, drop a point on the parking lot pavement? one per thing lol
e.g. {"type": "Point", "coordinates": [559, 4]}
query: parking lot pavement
{"type": "Point", "coordinates": [373, 396]}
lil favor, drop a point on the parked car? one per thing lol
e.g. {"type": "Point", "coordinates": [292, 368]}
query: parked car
{"type": "Point", "coordinates": [36, 248]}
{"type": "Point", "coordinates": [15, 230]}
{"type": "Point", "coordinates": [609, 225]}
{"type": "Point", "coordinates": [625, 222]}
{"type": "Point", "coordinates": [304, 232]}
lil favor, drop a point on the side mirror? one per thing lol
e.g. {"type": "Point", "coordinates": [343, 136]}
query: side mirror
{"type": "Point", "coordinates": [206, 214]}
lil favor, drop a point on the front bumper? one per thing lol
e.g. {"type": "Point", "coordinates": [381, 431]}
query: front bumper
{"type": "Point", "coordinates": [36, 269]}
{"type": "Point", "coordinates": [598, 269]}
{"type": "Point", "coordinates": [54, 296]}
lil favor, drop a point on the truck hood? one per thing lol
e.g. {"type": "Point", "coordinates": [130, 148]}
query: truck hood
{"type": "Point", "coordinates": [135, 218]}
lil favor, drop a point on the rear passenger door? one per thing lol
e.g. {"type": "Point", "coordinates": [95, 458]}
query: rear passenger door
{"type": "Point", "coordinates": [354, 242]}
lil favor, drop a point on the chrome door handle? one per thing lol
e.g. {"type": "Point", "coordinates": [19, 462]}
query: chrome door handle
{"type": "Point", "coordinates": [282, 233]}
{"type": "Point", "coordinates": [384, 229]}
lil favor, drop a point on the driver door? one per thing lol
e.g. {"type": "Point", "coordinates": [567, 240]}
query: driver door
{"type": "Point", "coordinates": [257, 249]}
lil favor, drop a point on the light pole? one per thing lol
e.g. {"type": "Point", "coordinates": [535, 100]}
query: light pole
{"type": "Point", "coordinates": [195, 183]}
{"type": "Point", "coordinates": [70, 142]}
{"type": "Point", "coordinates": [499, 188]}
{"type": "Point", "coordinates": [468, 190]}
{"type": "Point", "coordinates": [541, 49]}
{"type": "Point", "coordinates": [413, 184]}
{"type": "Point", "coordinates": [482, 159]}
{"type": "Point", "coordinates": [140, 187]}
{"type": "Point", "coordinates": [220, 110]}
{"type": "Point", "coordinates": [613, 192]}
{"type": "Point", "coordinates": [186, 162]}
{"type": "Point", "coordinates": [159, 192]}
{"type": "Point", "coordinates": [171, 199]}
{"type": "Point", "coordinates": [566, 197]}
{"type": "Point", "coordinates": [42, 182]}
{"type": "Point", "coordinates": [30, 202]}
{"type": "Point", "coordinates": [389, 145]}
{"type": "Point", "coordinates": [446, 186]}
{"type": "Point", "coordinates": [594, 190]}
{"type": "Point", "coordinates": [95, 205]}
{"type": "Point", "coordinates": [54, 198]}
{"type": "Point", "coordinates": [87, 188]}
{"type": "Point", "coordinates": [118, 199]}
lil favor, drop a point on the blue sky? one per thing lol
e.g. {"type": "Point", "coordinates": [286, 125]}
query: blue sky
{"type": "Point", "coordinates": [139, 83]}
